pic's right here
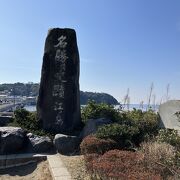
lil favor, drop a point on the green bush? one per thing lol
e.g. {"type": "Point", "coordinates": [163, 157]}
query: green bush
{"type": "Point", "coordinates": [169, 136]}
{"type": "Point", "coordinates": [92, 144]}
{"type": "Point", "coordinates": [123, 134]}
{"type": "Point", "coordinates": [141, 124]}
{"type": "Point", "coordinates": [28, 121]}
{"type": "Point", "coordinates": [95, 111]}
{"type": "Point", "coordinates": [134, 115]}
{"type": "Point", "coordinates": [177, 159]}
{"type": "Point", "coordinates": [147, 122]}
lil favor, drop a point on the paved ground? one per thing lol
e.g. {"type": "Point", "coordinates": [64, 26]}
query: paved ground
{"type": "Point", "coordinates": [32, 171]}
{"type": "Point", "coordinates": [56, 166]}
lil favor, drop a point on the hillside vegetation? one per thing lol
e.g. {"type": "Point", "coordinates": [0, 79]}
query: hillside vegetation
{"type": "Point", "coordinates": [32, 89]}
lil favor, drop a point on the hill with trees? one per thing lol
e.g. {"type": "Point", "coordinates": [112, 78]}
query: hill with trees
{"type": "Point", "coordinates": [97, 97]}
{"type": "Point", "coordinates": [32, 89]}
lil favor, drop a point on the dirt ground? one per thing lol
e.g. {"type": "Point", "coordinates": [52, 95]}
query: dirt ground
{"type": "Point", "coordinates": [33, 171]}
{"type": "Point", "coordinates": [76, 167]}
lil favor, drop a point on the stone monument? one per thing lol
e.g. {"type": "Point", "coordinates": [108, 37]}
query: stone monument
{"type": "Point", "coordinates": [167, 112]}
{"type": "Point", "coordinates": [58, 105]}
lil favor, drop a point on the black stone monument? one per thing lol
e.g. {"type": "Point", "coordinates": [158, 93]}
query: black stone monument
{"type": "Point", "coordinates": [58, 105]}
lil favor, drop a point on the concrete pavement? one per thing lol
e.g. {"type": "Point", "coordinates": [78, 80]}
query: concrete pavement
{"type": "Point", "coordinates": [56, 166]}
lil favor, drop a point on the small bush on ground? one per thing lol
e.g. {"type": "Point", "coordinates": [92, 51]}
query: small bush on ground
{"type": "Point", "coordinates": [94, 111]}
{"type": "Point", "coordinates": [128, 123]}
{"type": "Point", "coordinates": [28, 121]}
{"type": "Point", "coordinates": [135, 127]}
{"type": "Point", "coordinates": [177, 159]}
{"type": "Point", "coordinates": [91, 144]}
{"type": "Point", "coordinates": [170, 136]}
{"type": "Point", "coordinates": [122, 134]}
{"type": "Point", "coordinates": [158, 152]}
{"type": "Point", "coordinates": [151, 163]}
{"type": "Point", "coordinates": [117, 164]}
{"type": "Point", "coordinates": [134, 115]}
{"type": "Point", "coordinates": [160, 157]}
{"type": "Point", "coordinates": [147, 123]}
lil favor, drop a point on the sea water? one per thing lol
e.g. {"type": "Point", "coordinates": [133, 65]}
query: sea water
{"type": "Point", "coordinates": [130, 107]}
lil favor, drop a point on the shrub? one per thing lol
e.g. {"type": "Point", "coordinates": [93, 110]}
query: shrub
{"type": "Point", "coordinates": [91, 144]}
{"type": "Point", "coordinates": [157, 152]}
{"type": "Point", "coordinates": [123, 134]}
{"type": "Point", "coordinates": [160, 157]}
{"type": "Point", "coordinates": [94, 111]}
{"type": "Point", "coordinates": [147, 123]}
{"type": "Point", "coordinates": [117, 164]}
{"type": "Point", "coordinates": [132, 127]}
{"type": "Point", "coordinates": [134, 115]}
{"type": "Point", "coordinates": [177, 159]}
{"type": "Point", "coordinates": [28, 121]}
{"type": "Point", "coordinates": [170, 136]}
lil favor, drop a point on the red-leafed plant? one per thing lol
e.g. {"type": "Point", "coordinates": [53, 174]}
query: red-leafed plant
{"type": "Point", "coordinates": [91, 144]}
{"type": "Point", "coordinates": [116, 164]}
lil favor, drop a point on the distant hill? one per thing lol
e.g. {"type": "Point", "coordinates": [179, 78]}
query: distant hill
{"type": "Point", "coordinates": [32, 89]}
{"type": "Point", "coordinates": [21, 89]}
{"type": "Point", "coordinates": [97, 97]}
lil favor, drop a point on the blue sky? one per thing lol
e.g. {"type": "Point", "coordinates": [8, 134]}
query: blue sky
{"type": "Point", "coordinates": [122, 43]}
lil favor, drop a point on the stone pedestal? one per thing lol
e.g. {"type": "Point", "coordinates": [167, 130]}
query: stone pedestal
{"type": "Point", "coordinates": [58, 104]}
